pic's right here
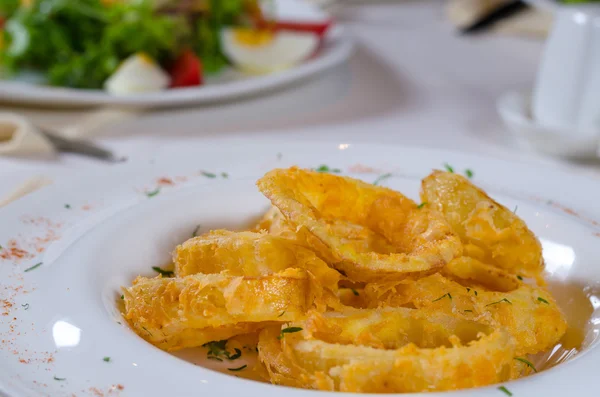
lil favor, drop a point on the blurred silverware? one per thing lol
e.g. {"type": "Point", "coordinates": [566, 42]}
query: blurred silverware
{"type": "Point", "coordinates": [77, 146]}
{"type": "Point", "coordinates": [503, 11]}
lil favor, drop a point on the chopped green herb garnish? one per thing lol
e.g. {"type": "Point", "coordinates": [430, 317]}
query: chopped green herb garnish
{"type": "Point", "coordinates": [153, 193]}
{"type": "Point", "coordinates": [209, 174]}
{"type": "Point", "coordinates": [164, 273]}
{"type": "Point", "coordinates": [118, 322]}
{"type": "Point", "coordinates": [382, 178]}
{"type": "Point", "coordinates": [68, 206]}
{"type": "Point", "coordinates": [61, 379]}
{"type": "Point", "coordinates": [447, 294]}
{"type": "Point", "coordinates": [122, 297]}
{"type": "Point", "coordinates": [237, 369]}
{"type": "Point", "coordinates": [33, 267]}
{"type": "Point", "coordinates": [469, 290]}
{"type": "Point", "coordinates": [526, 362]}
{"type": "Point", "coordinates": [25, 306]}
{"type": "Point", "coordinates": [106, 359]}
{"type": "Point", "coordinates": [515, 210]}
{"type": "Point", "coordinates": [1, 247]}
{"type": "Point", "coordinates": [238, 354]}
{"type": "Point", "coordinates": [145, 329]}
{"type": "Point", "coordinates": [288, 330]}
{"type": "Point", "coordinates": [421, 205]}
{"type": "Point", "coordinates": [469, 173]}
{"type": "Point", "coordinates": [355, 292]}
{"type": "Point", "coordinates": [519, 277]}
{"type": "Point", "coordinates": [543, 300]}
{"type": "Point", "coordinates": [505, 391]}
{"type": "Point", "coordinates": [224, 175]}
{"type": "Point", "coordinates": [282, 313]}
{"type": "Point", "coordinates": [196, 230]}
{"type": "Point", "coordinates": [325, 168]}
{"type": "Point", "coordinates": [218, 349]}
{"type": "Point", "coordinates": [448, 167]}
{"type": "Point", "coordinates": [468, 311]}
{"type": "Point", "coordinates": [500, 301]}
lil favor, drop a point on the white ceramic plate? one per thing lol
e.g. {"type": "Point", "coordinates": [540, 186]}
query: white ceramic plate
{"type": "Point", "coordinates": [336, 49]}
{"type": "Point", "coordinates": [96, 233]}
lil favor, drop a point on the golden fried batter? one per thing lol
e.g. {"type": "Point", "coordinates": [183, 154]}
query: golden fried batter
{"type": "Point", "coordinates": [353, 287]}
{"type": "Point", "coordinates": [252, 255]}
{"type": "Point", "coordinates": [528, 313]}
{"type": "Point", "coordinates": [174, 313]}
{"type": "Point", "coordinates": [490, 232]}
{"type": "Point", "coordinates": [369, 232]}
{"type": "Point", "coordinates": [387, 350]}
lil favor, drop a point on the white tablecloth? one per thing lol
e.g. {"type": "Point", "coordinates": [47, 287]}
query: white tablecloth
{"type": "Point", "coordinates": [413, 81]}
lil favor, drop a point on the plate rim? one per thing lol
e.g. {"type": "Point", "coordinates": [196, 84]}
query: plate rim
{"type": "Point", "coordinates": [580, 361]}
{"type": "Point", "coordinates": [337, 49]}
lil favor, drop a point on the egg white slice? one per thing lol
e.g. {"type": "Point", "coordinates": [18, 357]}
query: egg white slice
{"type": "Point", "coordinates": [267, 52]}
{"type": "Point", "coordinates": [137, 74]}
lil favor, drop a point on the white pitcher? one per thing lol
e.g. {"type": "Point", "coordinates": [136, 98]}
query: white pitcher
{"type": "Point", "coordinates": [566, 96]}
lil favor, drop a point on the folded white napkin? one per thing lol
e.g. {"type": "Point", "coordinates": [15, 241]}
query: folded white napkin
{"type": "Point", "coordinates": [20, 137]}
{"type": "Point", "coordinates": [28, 186]}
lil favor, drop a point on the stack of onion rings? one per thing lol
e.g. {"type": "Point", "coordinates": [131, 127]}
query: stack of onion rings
{"type": "Point", "coordinates": [354, 287]}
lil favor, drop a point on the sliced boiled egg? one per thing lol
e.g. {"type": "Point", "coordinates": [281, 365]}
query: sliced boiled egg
{"type": "Point", "coordinates": [263, 51]}
{"type": "Point", "coordinates": [138, 73]}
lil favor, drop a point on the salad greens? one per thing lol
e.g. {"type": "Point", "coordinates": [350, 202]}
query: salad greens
{"type": "Point", "coordinates": [81, 43]}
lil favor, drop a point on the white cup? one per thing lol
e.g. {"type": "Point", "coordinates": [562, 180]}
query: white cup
{"type": "Point", "coordinates": [566, 96]}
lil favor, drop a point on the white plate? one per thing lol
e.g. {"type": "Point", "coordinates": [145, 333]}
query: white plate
{"type": "Point", "coordinates": [94, 234]}
{"type": "Point", "coordinates": [336, 49]}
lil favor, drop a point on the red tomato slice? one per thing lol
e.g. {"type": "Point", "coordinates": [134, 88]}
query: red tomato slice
{"type": "Point", "coordinates": [187, 70]}
{"type": "Point", "coordinates": [319, 28]}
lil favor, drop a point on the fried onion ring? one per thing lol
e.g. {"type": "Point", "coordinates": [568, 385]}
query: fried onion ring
{"type": "Point", "coordinates": [387, 350]}
{"type": "Point", "coordinates": [529, 313]}
{"type": "Point", "coordinates": [490, 232]}
{"type": "Point", "coordinates": [368, 232]}
{"type": "Point", "coordinates": [251, 255]}
{"type": "Point", "coordinates": [173, 313]}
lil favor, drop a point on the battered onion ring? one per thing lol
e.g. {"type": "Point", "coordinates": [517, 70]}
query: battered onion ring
{"type": "Point", "coordinates": [368, 232]}
{"type": "Point", "coordinates": [529, 313]}
{"type": "Point", "coordinates": [387, 350]}
{"type": "Point", "coordinates": [274, 222]}
{"type": "Point", "coordinates": [252, 255]}
{"type": "Point", "coordinates": [490, 232]}
{"type": "Point", "coordinates": [174, 313]}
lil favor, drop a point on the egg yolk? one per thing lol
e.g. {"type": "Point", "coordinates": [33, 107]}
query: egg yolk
{"type": "Point", "coordinates": [252, 37]}
{"type": "Point", "coordinates": [145, 58]}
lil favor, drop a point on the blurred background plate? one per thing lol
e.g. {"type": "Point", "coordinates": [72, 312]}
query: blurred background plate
{"type": "Point", "coordinates": [230, 84]}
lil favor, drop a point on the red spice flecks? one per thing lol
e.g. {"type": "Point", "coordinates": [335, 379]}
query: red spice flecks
{"type": "Point", "coordinates": [565, 209]}
{"type": "Point", "coordinates": [86, 207]}
{"type": "Point", "coordinates": [96, 392]}
{"type": "Point", "coordinates": [13, 251]}
{"type": "Point", "coordinates": [165, 181]}
{"type": "Point", "coordinates": [597, 234]}
{"type": "Point", "coordinates": [120, 387]}
{"type": "Point", "coordinates": [362, 169]}
{"type": "Point", "coordinates": [24, 361]}
{"type": "Point", "coordinates": [181, 178]}
{"type": "Point", "coordinates": [6, 305]}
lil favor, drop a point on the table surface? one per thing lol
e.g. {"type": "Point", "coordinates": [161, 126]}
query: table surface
{"type": "Point", "coordinates": [412, 81]}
